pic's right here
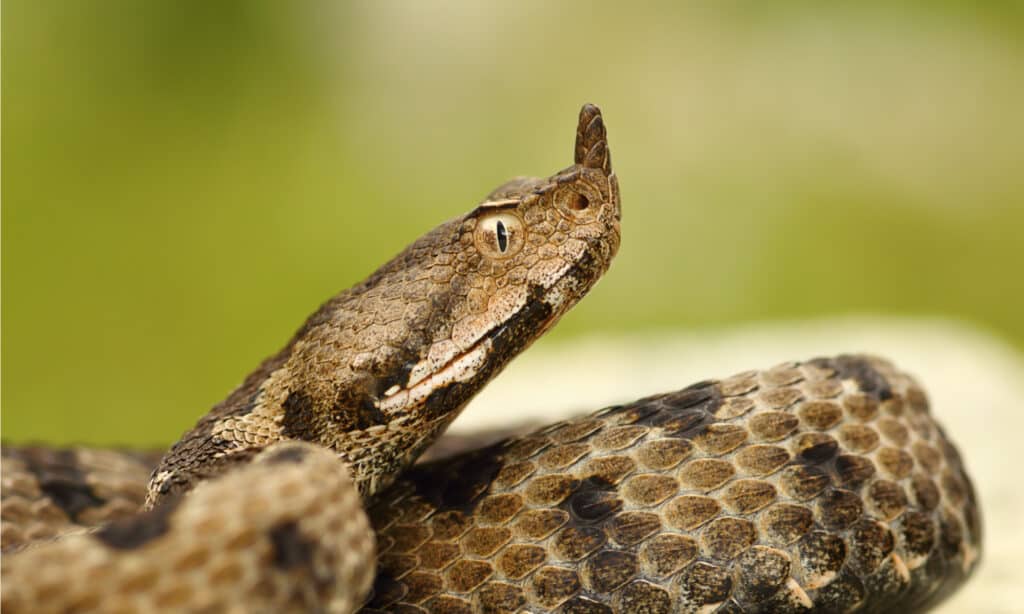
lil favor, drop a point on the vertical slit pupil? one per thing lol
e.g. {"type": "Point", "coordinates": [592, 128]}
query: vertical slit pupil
{"type": "Point", "coordinates": [502, 236]}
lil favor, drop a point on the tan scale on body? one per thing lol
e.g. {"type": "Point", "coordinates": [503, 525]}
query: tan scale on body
{"type": "Point", "coordinates": [818, 486]}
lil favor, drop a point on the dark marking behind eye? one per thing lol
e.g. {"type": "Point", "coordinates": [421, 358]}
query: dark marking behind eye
{"type": "Point", "coordinates": [502, 236]}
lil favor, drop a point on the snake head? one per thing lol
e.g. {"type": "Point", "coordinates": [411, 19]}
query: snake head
{"type": "Point", "coordinates": [568, 223]}
{"type": "Point", "coordinates": [479, 289]}
{"type": "Point", "coordinates": [498, 278]}
{"type": "Point", "coordinates": [535, 246]}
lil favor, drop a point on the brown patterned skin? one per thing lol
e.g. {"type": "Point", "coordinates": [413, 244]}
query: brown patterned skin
{"type": "Point", "coordinates": [48, 491]}
{"type": "Point", "coordinates": [262, 538]}
{"type": "Point", "coordinates": [824, 486]}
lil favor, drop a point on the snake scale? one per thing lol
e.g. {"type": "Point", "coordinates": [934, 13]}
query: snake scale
{"type": "Point", "coordinates": [820, 486]}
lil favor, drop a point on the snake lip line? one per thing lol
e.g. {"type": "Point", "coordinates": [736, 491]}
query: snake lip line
{"type": "Point", "coordinates": [460, 369]}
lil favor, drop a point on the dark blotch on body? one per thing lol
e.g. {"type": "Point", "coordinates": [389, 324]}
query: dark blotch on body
{"type": "Point", "coordinates": [61, 479]}
{"type": "Point", "coordinates": [70, 496]}
{"type": "Point", "coordinates": [288, 455]}
{"type": "Point", "coordinates": [593, 501]}
{"type": "Point", "coordinates": [860, 370]}
{"type": "Point", "coordinates": [299, 417]}
{"type": "Point", "coordinates": [302, 420]}
{"type": "Point", "coordinates": [475, 470]}
{"type": "Point", "coordinates": [687, 412]}
{"type": "Point", "coordinates": [291, 548]}
{"type": "Point", "coordinates": [140, 529]}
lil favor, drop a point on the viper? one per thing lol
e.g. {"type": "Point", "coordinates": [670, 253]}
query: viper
{"type": "Point", "coordinates": [822, 485]}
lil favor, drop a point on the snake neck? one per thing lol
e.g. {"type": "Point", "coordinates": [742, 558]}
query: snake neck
{"type": "Point", "coordinates": [381, 369]}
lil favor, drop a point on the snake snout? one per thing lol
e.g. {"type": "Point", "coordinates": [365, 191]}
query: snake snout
{"type": "Point", "coordinates": [592, 140]}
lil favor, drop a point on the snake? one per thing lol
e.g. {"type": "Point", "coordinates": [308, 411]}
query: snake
{"type": "Point", "coordinates": [822, 485]}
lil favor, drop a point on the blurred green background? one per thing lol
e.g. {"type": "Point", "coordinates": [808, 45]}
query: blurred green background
{"type": "Point", "coordinates": [183, 182]}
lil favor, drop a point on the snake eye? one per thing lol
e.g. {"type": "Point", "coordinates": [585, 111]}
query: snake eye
{"type": "Point", "coordinates": [499, 235]}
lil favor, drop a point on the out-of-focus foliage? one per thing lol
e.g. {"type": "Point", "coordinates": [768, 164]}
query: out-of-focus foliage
{"type": "Point", "coordinates": [184, 181]}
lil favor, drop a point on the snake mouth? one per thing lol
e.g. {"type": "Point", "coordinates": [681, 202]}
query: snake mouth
{"type": "Point", "coordinates": [460, 368]}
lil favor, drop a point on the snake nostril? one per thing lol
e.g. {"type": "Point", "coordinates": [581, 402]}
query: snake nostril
{"type": "Point", "coordinates": [578, 202]}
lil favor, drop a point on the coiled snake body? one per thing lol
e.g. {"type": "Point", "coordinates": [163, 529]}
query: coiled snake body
{"type": "Point", "coordinates": [817, 486]}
